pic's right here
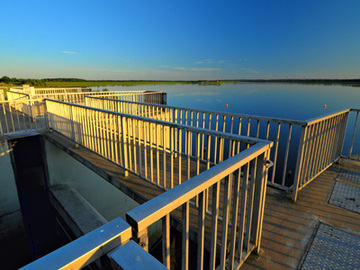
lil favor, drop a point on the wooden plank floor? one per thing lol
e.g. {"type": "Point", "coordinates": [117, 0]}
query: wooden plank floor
{"type": "Point", "coordinates": [289, 227]}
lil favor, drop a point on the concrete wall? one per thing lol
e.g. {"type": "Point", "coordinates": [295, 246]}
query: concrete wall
{"type": "Point", "coordinates": [103, 196]}
{"type": "Point", "coordinates": [11, 220]}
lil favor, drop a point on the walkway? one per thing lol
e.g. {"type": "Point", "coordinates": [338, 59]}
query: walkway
{"type": "Point", "coordinates": [288, 227]}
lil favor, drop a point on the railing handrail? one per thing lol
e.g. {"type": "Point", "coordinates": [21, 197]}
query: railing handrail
{"type": "Point", "coordinates": [95, 93]}
{"type": "Point", "coordinates": [144, 215]}
{"type": "Point", "coordinates": [85, 249]}
{"type": "Point", "coordinates": [255, 117]}
{"type": "Point", "coordinates": [324, 117]}
{"type": "Point", "coordinates": [230, 136]}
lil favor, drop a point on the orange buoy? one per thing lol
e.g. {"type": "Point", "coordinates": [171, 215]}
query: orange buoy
{"type": "Point", "coordinates": [227, 105]}
{"type": "Point", "coordinates": [324, 106]}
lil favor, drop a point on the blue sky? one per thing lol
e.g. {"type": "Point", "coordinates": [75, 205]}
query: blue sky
{"type": "Point", "coordinates": [180, 40]}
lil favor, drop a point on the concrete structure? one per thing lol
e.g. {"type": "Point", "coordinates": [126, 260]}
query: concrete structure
{"type": "Point", "coordinates": [11, 220]}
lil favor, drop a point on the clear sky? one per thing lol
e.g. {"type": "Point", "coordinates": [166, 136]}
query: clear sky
{"type": "Point", "coordinates": [186, 40]}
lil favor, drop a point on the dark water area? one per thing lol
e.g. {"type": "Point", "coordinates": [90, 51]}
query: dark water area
{"type": "Point", "coordinates": [278, 100]}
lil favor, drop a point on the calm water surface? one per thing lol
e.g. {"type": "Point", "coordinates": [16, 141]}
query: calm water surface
{"type": "Point", "coordinates": [291, 101]}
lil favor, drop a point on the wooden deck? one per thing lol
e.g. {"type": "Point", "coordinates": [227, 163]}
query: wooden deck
{"type": "Point", "coordinates": [288, 227]}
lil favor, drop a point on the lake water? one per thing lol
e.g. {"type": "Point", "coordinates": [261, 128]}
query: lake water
{"type": "Point", "coordinates": [291, 101]}
{"type": "Point", "coordinates": [278, 100]}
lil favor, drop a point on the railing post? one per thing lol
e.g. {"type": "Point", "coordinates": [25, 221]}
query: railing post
{"type": "Point", "coordinates": [344, 125]}
{"type": "Point", "coordinates": [124, 143]}
{"type": "Point", "coordinates": [259, 201]}
{"type": "Point", "coordinates": [299, 159]}
{"type": "Point", "coordinates": [72, 124]}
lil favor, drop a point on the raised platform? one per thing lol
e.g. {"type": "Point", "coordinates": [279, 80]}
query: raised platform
{"type": "Point", "coordinates": [288, 227]}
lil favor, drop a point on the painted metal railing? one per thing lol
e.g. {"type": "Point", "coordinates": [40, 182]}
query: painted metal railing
{"type": "Point", "coordinates": [302, 149]}
{"type": "Point", "coordinates": [163, 153]}
{"type": "Point", "coordinates": [17, 116]}
{"type": "Point", "coordinates": [321, 144]}
{"type": "Point", "coordinates": [42, 91]}
{"type": "Point", "coordinates": [232, 192]}
{"type": "Point", "coordinates": [281, 131]}
{"type": "Point", "coordinates": [233, 226]}
{"type": "Point", "coordinates": [75, 95]}
{"type": "Point", "coordinates": [353, 132]}
{"type": "Point", "coordinates": [86, 249]}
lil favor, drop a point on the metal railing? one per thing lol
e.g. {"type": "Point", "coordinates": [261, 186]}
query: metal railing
{"type": "Point", "coordinates": [144, 97]}
{"type": "Point", "coordinates": [352, 130]}
{"type": "Point", "coordinates": [163, 153]}
{"type": "Point", "coordinates": [228, 199]}
{"type": "Point", "coordinates": [86, 249]}
{"type": "Point", "coordinates": [72, 95]}
{"type": "Point", "coordinates": [234, 224]}
{"type": "Point", "coordinates": [17, 116]}
{"type": "Point", "coordinates": [233, 227]}
{"type": "Point", "coordinates": [297, 153]}
{"type": "Point", "coordinates": [281, 131]}
{"type": "Point", "coordinates": [321, 144]}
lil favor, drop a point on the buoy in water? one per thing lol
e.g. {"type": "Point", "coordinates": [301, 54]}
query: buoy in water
{"type": "Point", "coordinates": [324, 106]}
{"type": "Point", "coordinates": [227, 105]}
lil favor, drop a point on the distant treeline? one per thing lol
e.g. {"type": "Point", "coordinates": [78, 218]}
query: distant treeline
{"type": "Point", "coordinates": [76, 82]}
{"type": "Point", "coordinates": [20, 81]}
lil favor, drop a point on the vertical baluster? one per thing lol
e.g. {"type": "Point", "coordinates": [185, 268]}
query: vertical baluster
{"type": "Point", "coordinates": [250, 205]}
{"type": "Point", "coordinates": [188, 154]}
{"type": "Point", "coordinates": [286, 155]}
{"type": "Point", "coordinates": [157, 143]}
{"type": "Point", "coordinates": [134, 122]}
{"type": "Point", "coordinates": [234, 218]}
{"type": "Point", "coordinates": [225, 223]}
{"type": "Point", "coordinates": [164, 134]}
{"type": "Point", "coordinates": [185, 236]}
{"type": "Point", "coordinates": [276, 152]}
{"type": "Point", "coordinates": [166, 240]}
{"type": "Point", "coordinates": [151, 132]}
{"type": "Point", "coordinates": [201, 232]}
{"type": "Point", "coordinates": [172, 135]}
{"type": "Point", "coordinates": [353, 135]}
{"type": "Point", "coordinates": [180, 154]}
{"type": "Point", "coordinates": [145, 130]}
{"type": "Point", "coordinates": [214, 224]}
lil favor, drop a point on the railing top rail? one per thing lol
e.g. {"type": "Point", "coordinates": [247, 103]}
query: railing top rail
{"type": "Point", "coordinates": [229, 136]}
{"type": "Point", "coordinates": [20, 93]}
{"type": "Point", "coordinates": [91, 94]}
{"type": "Point", "coordinates": [271, 119]}
{"type": "Point", "coordinates": [21, 101]}
{"type": "Point", "coordinates": [355, 110]}
{"type": "Point", "coordinates": [146, 214]}
{"type": "Point", "coordinates": [324, 117]}
{"type": "Point", "coordinates": [85, 249]}
{"type": "Point", "coordinates": [128, 93]}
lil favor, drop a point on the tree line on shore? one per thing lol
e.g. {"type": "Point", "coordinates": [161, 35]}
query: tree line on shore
{"type": "Point", "coordinates": [64, 82]}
